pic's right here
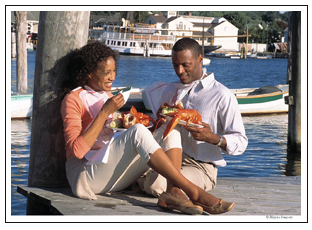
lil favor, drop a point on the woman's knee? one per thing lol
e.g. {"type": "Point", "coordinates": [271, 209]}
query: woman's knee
{"type": "Point", "coordinates": [141, 131]}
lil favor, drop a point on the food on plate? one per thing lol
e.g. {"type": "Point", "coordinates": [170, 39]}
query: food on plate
{"type": "Point", "coordinates": [128, 119]}
{"type": "Point", "coordinates": [177, 114]}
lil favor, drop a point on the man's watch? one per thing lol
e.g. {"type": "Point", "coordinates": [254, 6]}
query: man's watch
{"type": "Point", "coordinates": [220, 142]}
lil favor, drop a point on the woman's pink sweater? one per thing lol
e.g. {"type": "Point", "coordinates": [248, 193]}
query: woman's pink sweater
{"type": "Point", "coordinates": [75, 120]}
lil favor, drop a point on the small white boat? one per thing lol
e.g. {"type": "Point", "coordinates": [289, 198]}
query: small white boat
{"type": "Point", "coordinates": [21, 106]}
{"type": "Point", "coordinates": [206, 61]}
{"type": "Point", "coordinates": [263, 100]}
{"type": "Point", "coordinates": [235, 57]}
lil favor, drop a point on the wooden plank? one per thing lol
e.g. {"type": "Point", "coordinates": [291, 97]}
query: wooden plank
{"type": "Point", "coordinates": [252, 196]}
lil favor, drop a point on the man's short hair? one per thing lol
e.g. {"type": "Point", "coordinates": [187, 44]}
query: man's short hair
{"type": "Point", "coordinates": [188, 43]}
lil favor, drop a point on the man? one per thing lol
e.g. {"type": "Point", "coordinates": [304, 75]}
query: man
{"type": "Point", "coordinates": [222, 131]}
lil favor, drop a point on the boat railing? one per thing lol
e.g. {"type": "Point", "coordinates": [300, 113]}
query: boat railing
{"type": "Point", "coordinates": [93, 33]}
{"type": "Point", "coordinates": [138, 37]}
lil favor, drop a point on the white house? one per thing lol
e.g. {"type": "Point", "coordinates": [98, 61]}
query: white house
{"type": "Point", "coordinates": [217, 31]}
{"type": "Point", "coordinates": [156, 19]}
{"type": "Point", "coordinates": [225, 34]}
{"type": "Point", "coordinates": [178, 26]}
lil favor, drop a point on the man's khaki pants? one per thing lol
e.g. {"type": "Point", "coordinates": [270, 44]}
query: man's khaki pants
{"type": "Point", "coordinates": [202, 174]}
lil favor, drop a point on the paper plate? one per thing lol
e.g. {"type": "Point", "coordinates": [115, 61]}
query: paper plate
{"type": "Point", "coordinates": [122, 129]}
{"type": "Point", "coordinates": [125, 93]}
{"type": "Point", "coordinates": [190, 124]}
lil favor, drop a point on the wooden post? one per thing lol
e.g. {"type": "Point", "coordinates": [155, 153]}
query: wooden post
{"type": "Point", "coordinates": [13, 44]}
{"type": "Point", "coordinates": [58, 33]}
{"type": "Point", "coordinates": [21, 60]}
{"type": "Point", "coordinates": [294, 81]}
{"type": "Point", "coordinates": [246, 44]}
{"type": "Point", "coordinates": [203, 38]}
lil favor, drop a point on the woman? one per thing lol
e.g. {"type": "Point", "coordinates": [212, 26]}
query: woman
{"type": "Point", "coordinates": [87, 109]}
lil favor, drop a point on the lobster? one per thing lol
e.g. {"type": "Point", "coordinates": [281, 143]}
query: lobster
{"type": "Point", "coordinates": [128, 119]}
{"type": "Point", "coordinates": [177, 114]}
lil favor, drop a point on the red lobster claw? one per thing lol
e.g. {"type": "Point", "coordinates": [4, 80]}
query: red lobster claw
{"type": "Point", "coordinates": [170, 126]}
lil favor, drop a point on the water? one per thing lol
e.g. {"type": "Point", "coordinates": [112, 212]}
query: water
{"type": "Point", "coordinates": [266, 151]}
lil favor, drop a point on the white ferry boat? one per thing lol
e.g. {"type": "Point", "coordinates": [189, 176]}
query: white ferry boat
{"type": "Point", "coordinates": [146, 41]}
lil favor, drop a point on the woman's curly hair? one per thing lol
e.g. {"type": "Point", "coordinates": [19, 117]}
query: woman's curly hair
{"type": "Point", "coordinates": [84, 61]}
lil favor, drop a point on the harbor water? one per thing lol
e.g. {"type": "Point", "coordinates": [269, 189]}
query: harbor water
{"type": "Point", "coordinates": [266, 152]}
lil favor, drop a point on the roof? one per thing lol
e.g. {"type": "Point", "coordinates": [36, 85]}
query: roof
{"type": "Point", "coordinates": [31, 16]}
{"type": "Point", "coordinates": [213, 25]}
{"type": "Point", "coordinates": [108, 19]}
{"type": "Point", "coordinates": [95, 18]}
{"type": "Point", "coordinates": [200, 24]}
{"type": "Point", "coordinates": [200, 33]}
{"type": "Point", "coordinates": [171, 19]}
{"type": "Point", "coordinates": [158, 18]}
{"type": "Point", "coordinates": [281, 46]}
{"type": "Point", "coordinates": [190, 17]}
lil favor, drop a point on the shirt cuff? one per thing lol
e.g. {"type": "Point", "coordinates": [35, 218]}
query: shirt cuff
{"type": "Point", "coordinates": [234, 145]}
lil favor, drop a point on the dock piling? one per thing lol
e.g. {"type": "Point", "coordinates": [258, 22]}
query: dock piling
{"type": "Point", "coordinates": [294, 81]}
{"type": "Point", "coordinates": [21, 52]}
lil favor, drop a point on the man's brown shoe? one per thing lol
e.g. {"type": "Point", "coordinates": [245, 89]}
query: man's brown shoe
{"type": "Point", "coordinates": [222, 207]}
{"type": "Point", "coordinates": [169, 202]}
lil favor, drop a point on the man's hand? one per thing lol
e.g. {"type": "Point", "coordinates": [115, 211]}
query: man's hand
{"type": "Point", "coordinates": [205, 134]}
{"type": "Point", "coordinates": [160, 118]}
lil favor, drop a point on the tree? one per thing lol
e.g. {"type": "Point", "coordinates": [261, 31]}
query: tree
{"type": "Point", "coordinates": [140, 16]}
{"type": "Point", "coordinates": [21, 60]}
{"type": "Point", "coordinates": [59, 33]}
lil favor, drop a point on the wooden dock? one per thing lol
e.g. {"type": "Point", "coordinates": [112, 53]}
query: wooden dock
{"type": "Point", "coordinates": [268, 198]}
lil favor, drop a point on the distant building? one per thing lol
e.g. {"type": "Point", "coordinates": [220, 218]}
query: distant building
{"type": "Point", "coordinates": [32, 21]}
{"type": "Point", "coordinates": [156, 19]}
{"type": "Point", "coordinates": [217, 31]}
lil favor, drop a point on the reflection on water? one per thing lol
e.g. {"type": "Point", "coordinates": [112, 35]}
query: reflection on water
{"type": "Point", "coordinates": [293, 167]}
{"type": "Point", "coordinates": [266, 154]}
{"type": "Point", "coordinates": [20, 150]}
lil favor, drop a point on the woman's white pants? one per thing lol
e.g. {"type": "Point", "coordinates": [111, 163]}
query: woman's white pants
{"type": "Point", "coordinates": [128, 157]}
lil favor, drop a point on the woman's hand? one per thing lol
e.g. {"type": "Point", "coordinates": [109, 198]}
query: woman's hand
{"type": "Point", "coordinates": [113, 104]}
{"type": "Point", "coordinates": [109, 107]}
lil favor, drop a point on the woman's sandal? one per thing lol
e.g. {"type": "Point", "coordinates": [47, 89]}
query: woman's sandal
{"type": "Point", "coordinates": [222, 207]}
{"type": "Point", "coordinates": [169, 202]}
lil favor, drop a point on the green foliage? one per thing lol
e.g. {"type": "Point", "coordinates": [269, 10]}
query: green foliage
{"type": "Point", "coordinates": [140, 16]}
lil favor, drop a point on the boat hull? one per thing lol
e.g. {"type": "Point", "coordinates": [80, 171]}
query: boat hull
{"type": "Point", "coordinates": [266, 103]}
{"type": "Point", "coordinates": [21, 106]}
{"type": "Point", "coordinates": [210, 48]}
{"type": "Point", "coordinates": [271, 107]}
{"type": "Point", "coordinates": [206, 61]}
